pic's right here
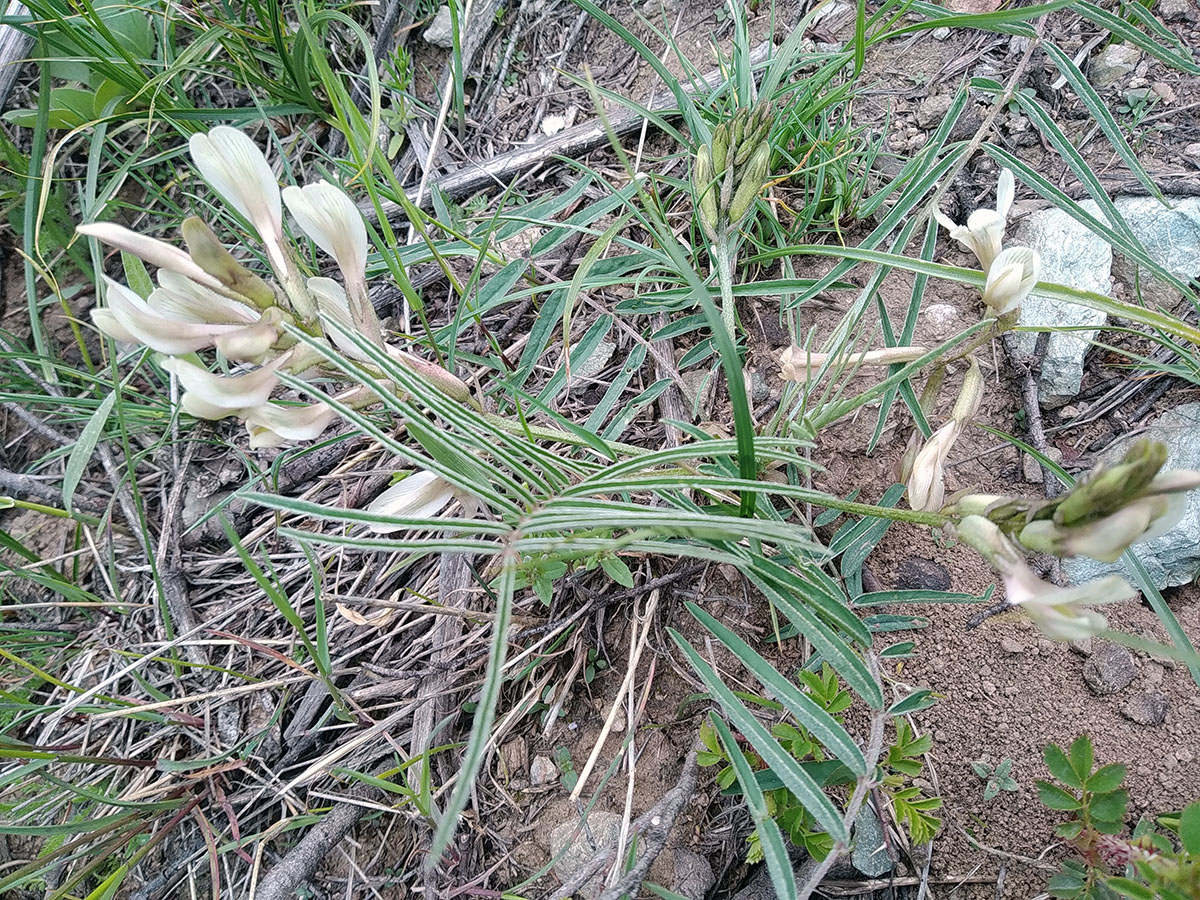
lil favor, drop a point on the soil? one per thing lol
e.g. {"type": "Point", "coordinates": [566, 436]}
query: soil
{"type": "Point", "coordinates": [1003, 691]}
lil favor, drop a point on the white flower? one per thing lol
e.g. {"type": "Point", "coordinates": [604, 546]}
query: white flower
{"type": "Point", "coordinates": [237, 170]}
{"type": "Point", "coordinates": [184, 300]}
{"type": "Point", "coordinates": [130, 318]}
{"type": "Point", "coordinates": [419, 496]}
{"type": "Point", "coordinates": [1012, 277]}
{"type": "Point", "coordinates": [333, 305]}
{"type": "Point", "coordinates": [1058, 611]}
{"type": "Point", "coordinates": [983, 234]}
{"type": "Point", "coordinates": [167, 257]}
{"type": "Point", "coordinates": [272, 425]}
{"type": "Point", "coordinates": [334, 223]}
{"type": "Point", "coordinates": [209, 395]}
{"type": "Point", "coordinates": [926, 483]}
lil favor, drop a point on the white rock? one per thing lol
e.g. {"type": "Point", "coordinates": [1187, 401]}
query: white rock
{"type": "Point", "coordinates": [1174, 10]}
{"type": "Point", "coordinates": [440, 32]}
{"type": "Point", "coordinates": [571, 850]}
{"type": "Point", "coordinates": [1113, 63]}
{"type": "Point", "coordinates": [1071, 256]}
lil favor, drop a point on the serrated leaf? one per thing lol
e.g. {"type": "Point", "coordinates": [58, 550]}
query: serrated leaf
{"type": "Point", "coordinates": [1110, 806]}
{"type": "Point", "coordinates": [1106, 778]}
{"type": "Point", "coordinates": [1189, 828]}
{"type": "Point", "coordinates": [1060, 767]}
{"type": "Point", "coordinates": [1054, 797]}
{"type": "Point", "coordinates": [1081, 756]}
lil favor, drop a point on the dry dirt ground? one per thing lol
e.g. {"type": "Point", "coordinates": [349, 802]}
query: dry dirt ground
{"type": "Point", "coordinates": [1003, 691]}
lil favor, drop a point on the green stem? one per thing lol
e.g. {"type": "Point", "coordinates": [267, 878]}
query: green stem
{"type": "Point", "coordinates": [723, 259]}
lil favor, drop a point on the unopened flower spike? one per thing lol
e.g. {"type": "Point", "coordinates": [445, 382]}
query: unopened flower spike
{"type": "Point", "coordinates": [730, 172]}
{"type": "Point", "coordinates": [983, 234]}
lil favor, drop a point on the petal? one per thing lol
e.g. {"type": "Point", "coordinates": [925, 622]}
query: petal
{"type": "Point", "coordinates": [231, 392]}
{"type": "Point", "coordinates": [237, 170]}
{"type": "Point", "coordinates": [159, 333]}
{"type": "Point", "coordinates": [249, 344]}
{"type": "Point", "coordinates": [1111, 536]}
{"type": "Point", "coordinates": [333, 304]}
{"type": "Point", "coordinates": [926, 484]}
{"type": "Point", "coordinates": [197, 408]}
{"type": "Point", "coordinates": [945, 221]}
{"type": "Point", "coordinates": [158, 253]}
{"type": "Point", "coordinates": [271, 424]}
{"type": "Point", "coordinates": [1066, 624]}
{"type": "Point", "coordinates": [1174, 481]}
{"type": "Point", "coordinates": [109, 325]}
{"type": "Point", "coordinates": [333, 222]}
{"type": "Point", "coordinates": [1011, 278]}
{"type": "Point", "coordinates": [421, 495]}
{"type": "Point", "coordinates": [186, 301]}
{"type": "Point", "coordinates": [986, 229]}
{"type": "Point", "coordinates": [1005, 192]}
{"type": "Point", "coordinates": [1166, 520]}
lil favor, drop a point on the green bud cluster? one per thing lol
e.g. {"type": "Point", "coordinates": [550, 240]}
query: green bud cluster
{"type": "Point", "coordinates": [730, 172]}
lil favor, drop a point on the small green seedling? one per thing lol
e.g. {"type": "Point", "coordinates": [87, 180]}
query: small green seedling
{"type": "Point", "coordinates": [997, 777]}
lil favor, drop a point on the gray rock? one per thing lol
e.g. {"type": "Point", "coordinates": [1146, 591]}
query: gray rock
{"type": "Point", "coordinates": [870, 855]}
{"type": "Point", "coordinates": [1147, 708]}
{"type": "Point", "coordinates": [1082, 646]}
{"type": "Point", "coordinates": [932, 110]}
{"type": "Point", "coordinates": [693, 874]}
{"type": "Point", "coordinates": [602, 830]}
{"type": "Point", "coordinates": [1174, 558]}
{"type": "Point", "coordinates": [1109, 669]}
{"type": "Point", "coordinates": [440, 32]}
{"type": "Point", "coordinates": [1113, 63]}
{"type": "Point", "coordinates": [920, 574]}
{"type": "Point", "coordinates": [1176, 10]}
{"type": "Point", "coordinates": [1072, 256]}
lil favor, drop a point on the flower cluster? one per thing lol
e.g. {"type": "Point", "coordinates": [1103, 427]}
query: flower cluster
{"type": "Point", "coordinates": [1012, 272]}
{"type": "Point", "coordinates": [207, 299]}
{"type": "Point", "coordinates": [1101, 517]}
{"type": "Point", "coordinates": [729, 173]}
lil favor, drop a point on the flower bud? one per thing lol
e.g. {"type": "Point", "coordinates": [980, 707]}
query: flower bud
{"type": "Point", "coordinates": [706, 191]}
{"type": "Point", "coordinates": [751, 184]}
{"type": "Point", "coordinates": [1010, 279]}
{"type": "Point", "coordinates": [206, 249]}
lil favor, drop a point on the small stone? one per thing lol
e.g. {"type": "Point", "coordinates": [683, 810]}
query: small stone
{"type": "Point", "coordinates": [1184, 756]}
{"type": "Point", "coordinates": [1164, 92]}
{"type": "Point", "coordinates": [989, 688]}
{"type": "Point", "coordinates": [1012, 690]}
{"type": "Point", "coordinates": [1082, 646]}
{"type": "Point", "coordinates": [572, 850]}
{"type": "Point", "coordinates": [940, 737]}
{"type": "Point", "coordinates": [1147, 708]}
{"type": "Point", "coordinates": [1192, 151]}
{"type": "Point", "coordinates": [941, 34]}
{"type": "Point", "coordinates": [932, 110]}
{"type": "Point", "coordinates": [584, 372]}
{"type": "Point", "coordinates": [693, 874]}
{"type": "Point", "coordinates": [542, 771]}
{"type": "Point", "coordinates": [1113, 63]}
{"type": "Point", "coordinates": [1011, 646]}
{"type": "Point", "coordinates": [1069, 412]}
{"type": "Point", "coordinates": [1109, 669]}
{"type": "Point", "coordinates": [1154, 672]}
{"type": "Point", "coordinates": [1175, 10]}
{"type": "Point", "coordinates": [939, 666]}
{"type": "Point", "coordinates": [920, 574]}
{"type": "Point", "coordinates": [440, 32]}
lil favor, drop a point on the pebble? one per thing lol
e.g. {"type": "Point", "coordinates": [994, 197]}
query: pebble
{"type": "Point", "coordinates": [1192, 151]}
{"type": "Point", "coordinates": [1113, 63]}
{"type": "Point", "coordinates": [1011, 646]}
{"type": "Point", "coordinates": [932, 110]}
{"type": "Point", "coordinates": [1082, 646]}
{"type": "Point", "coordinates": [941, 34]}
{"type": "Point", "coordinates": [542, 771]}
{"type": "Point", "coordinates": [989, 688]}
{"type": "Point", "coordinates": [1184, 756]}
{"type": "Point", "coordinates": [1154, 672]}
{"type": "Point", "coordinates": [1175, 10]}
{"type": "Point", "coordinates": [1109, 669]}
{"type": "Point", "coordinates": [1147, 708]}
{"type": "Point", "coordinates": [920, 574]}
{"type": "Point", "coordinates": [440, 32]}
